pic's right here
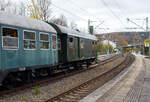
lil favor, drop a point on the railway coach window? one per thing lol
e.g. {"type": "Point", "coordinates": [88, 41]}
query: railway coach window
{"type": "Point", "coordinates": [44, 41]}
{"type": "Point", "coordinates": [70, 42]}
{"type": "Point", "coordinates": [81, 44]}
{"type": "Point", "coordinates": [53, 42]}
{"type": "Point", "coordinates": [10, 38]}
{"type": "Point", "coordinates": [95, 43]}
{"type": "Point", "coordinates": [29, 40]}
{"type": "Point", "coordinates": [59, 44]}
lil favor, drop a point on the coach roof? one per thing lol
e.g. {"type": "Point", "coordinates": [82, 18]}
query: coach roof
{"type": "Point", "coordinates": [62, 29]}
{"type": "Point", "coordinates": [25, 22]}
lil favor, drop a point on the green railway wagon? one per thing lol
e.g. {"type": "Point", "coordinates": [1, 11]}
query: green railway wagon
{"type": "Point", "coordinates": [79, 47]}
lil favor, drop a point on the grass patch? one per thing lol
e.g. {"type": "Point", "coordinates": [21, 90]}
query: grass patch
{"type": "Point", "coordinates": [37, 91]}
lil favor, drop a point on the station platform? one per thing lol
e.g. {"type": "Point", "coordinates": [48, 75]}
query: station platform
{"type": "Point", "coordinates": [131, 85]}
{"type": "Point", "coordinates": [106, 56]}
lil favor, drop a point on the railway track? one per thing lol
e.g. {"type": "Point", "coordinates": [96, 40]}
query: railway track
{"type": "Point", "coordinates": [31, 85]}
{"type": "Point", "coordinates": [77, 93]}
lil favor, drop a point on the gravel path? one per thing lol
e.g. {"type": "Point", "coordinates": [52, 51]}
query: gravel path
{"type": "Point", "coordinates": [59, 86]}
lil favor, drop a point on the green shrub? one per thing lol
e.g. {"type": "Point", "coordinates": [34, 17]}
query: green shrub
{"type": "Point", "coordinates": [37, 90]}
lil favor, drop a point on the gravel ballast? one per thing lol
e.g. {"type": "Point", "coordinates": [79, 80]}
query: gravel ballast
{"type": "Point", "coordinates": [54, 88]}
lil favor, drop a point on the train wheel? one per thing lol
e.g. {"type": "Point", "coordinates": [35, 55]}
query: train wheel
{"type": "Point", "coordinates": [11, 82]}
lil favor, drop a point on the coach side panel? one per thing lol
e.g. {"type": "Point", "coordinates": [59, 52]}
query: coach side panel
{"type": "Point", "coordinates": [0, 48]}
{"type": "Point", "coordinates": [72, 49]}
{"type": "Point", "coordinates": [24, 48]}
{"type": "Point", "coordinates": [43, 53]}
{"type": "Point", "coordinates": [85, 49]}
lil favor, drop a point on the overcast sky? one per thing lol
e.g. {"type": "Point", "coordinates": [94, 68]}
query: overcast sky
{"type": "Point", "coordinates": [113, 12]}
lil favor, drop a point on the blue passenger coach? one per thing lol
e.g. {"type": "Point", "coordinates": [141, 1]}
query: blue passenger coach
{"type": "Point", "coordinates": [28, 48]}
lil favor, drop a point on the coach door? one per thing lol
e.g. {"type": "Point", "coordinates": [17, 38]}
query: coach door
{"type": "Point", "coordinates": [10, 48]}
{"type": "Point", "coordinates": [59, 49]}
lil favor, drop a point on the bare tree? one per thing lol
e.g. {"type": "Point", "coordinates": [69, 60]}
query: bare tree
{"type": "Point", "coordinates": [44, 8]}
{"type": "Point", "coordinates": [4, 4]}
{"type": "Point", "coordinates": [13, 7]}
{"type": "Point", "coordinates": [39, 9]}
{"type": "Point", "coordinates": [22, 8]}
{"type": "Point", "coordinates": [8, 6]}
{"type": "Point", "coordinates": [62, 20]}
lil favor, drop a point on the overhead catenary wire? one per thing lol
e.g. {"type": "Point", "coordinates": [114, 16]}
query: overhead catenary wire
{"type": "Point", "coordinates": [82, 9]}
{"type": "Point", "coordinates": [85, 11]}
{"type": "Point", "coordinates": [112, 12]}
{"type": "Point", "coordinates": [68, 12]}
{"type": "Point", "coordinates": [122, 12]}
{"type": "Point", "coordinates": [136, 24]}
{"type": "Point", "coordinates": [118, 6]}
{"type": "Point", "coordinates": [98, 5]}
{"type": "Point", "coordinates": [73, 3]}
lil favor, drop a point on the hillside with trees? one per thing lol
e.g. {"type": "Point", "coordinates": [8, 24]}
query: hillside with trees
{"type": "Point", "coordinates": [125, 38]}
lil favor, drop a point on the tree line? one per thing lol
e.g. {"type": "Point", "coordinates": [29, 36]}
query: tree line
{"type": "Point", "coordinates": [102, 48]}
{"type": "Point", "coordinates": [38, 9]}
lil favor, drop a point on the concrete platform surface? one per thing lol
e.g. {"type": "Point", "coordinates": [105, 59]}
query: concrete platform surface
{"type": "Point", "coordinates": [106, 56]}
{"type": "Point", "coordinates": [131, 85]}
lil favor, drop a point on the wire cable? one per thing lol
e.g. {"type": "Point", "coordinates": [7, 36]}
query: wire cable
{"type": "Point", "coordinates": [72, 2]}
{"type": "Point", "coordinates": [82, 9]}
{"type": "Point", "coordinates": [68, 12]}
{"type": "Point", "coordinates": [112, 12]}
{"type": "Point", "coordinates": [118, 6]}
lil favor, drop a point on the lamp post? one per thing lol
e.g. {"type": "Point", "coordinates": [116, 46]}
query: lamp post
{"type": "Point", "coordinates": [108, 49]}
{"type": "Point", "coordinates": [142, 43]}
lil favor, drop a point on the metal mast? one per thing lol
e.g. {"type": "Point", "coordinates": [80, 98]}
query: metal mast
{"type": "Point", "coordinates": [148, 32]}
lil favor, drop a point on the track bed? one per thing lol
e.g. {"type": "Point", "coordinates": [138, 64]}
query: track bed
{"type": "Point", "coordinates": [55, 86]}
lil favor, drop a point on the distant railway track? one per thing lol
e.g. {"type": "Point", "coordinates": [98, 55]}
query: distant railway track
{"type": "Point", "coordinates": [77, 93]}
{"type": "Point", "coordinates": [60, 76]}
